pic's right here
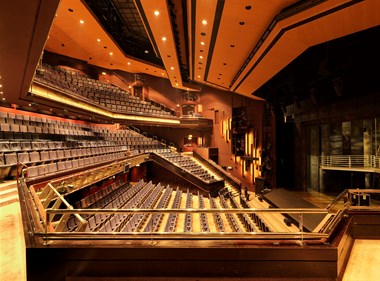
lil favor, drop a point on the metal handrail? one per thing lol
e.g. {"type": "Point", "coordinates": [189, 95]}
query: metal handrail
{"type": "Point", "coordinates": [350, 161]}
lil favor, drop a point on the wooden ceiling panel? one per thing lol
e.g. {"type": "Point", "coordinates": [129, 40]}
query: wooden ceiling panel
{"type": "Point", "coordinates": [81, 41]}
{"type": "Point", "coordinates": [202, 36]}
{"type": "Point", "coordinates": [294, 35]}
{"type": "Point", "coordinates": [241, 27]}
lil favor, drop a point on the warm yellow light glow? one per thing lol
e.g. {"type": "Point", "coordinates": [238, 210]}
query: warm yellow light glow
{"type": "Point", "coordinates": [202, 43]}
{"type": "Point", "coordinates": [129, 63]}
{"type": "Point", "coordinates": [103, 73]}
{"type": "Point", "coordinates": [204, 22]}
{"type": "Point", "coordinates": [172, 68]}
{"type": "Point", "coordinates": [59, 98]}
{"type": "Point", "coordinates": [81, 21]}
{"type": "Point", "coordinates": [111, 54]}
{"type": "Point", "coordinates": [164, 38]}
{"type": "Point", "coordinates": [98, 40]}
{"type": "Point", "coordinates": [156, 13]}
{"type": "Point", "coordinates": [201, 57]}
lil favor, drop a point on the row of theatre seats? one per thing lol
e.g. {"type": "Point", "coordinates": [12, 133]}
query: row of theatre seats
{"type": "Point", "coordinates": [48, 145]}
{"type": "Point", "coordinates": [146, 195]}
{"type": "Point", "coordinates": [23, 126]}
{"type": "Point", "coordinates": [188, 164]}
{"type": "Point", "coordinates": [98, 93]}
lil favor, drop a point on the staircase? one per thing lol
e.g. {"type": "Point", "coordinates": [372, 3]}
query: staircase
{"type": "Point", "coordinates": [8, 193]}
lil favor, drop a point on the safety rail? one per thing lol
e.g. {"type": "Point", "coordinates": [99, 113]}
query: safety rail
{"type": "Point", "coordinates": [366, 162]}
{"type": "Point", "coordinates": [53, 218]}
{"type": "Point", "coordinates": [50, 233]}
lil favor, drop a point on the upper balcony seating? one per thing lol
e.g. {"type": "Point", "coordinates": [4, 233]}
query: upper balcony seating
{"type": "Point", "coordinates": [99, 93]}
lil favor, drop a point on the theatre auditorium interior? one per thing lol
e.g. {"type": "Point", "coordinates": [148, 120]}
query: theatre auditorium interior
{"type": "Point", "coordinates": [190, 140]}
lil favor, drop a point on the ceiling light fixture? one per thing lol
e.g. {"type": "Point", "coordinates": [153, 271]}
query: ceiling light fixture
{"type": "Point", "coordinates": [98, 40]}
{"type": "Point", "coordinates": [81, 21]}
{"type": "Point", "coordinates": [111, 54]}
{"type": "Point", "coordinates": [172, 68]}
{"type": "Point", "coordinates": [156, 13]}
{"type": "Point", "coordinates": [202, 43]}
{"type": "Point", "coordinates": [204, 22]}
{"type": "Point", "coordinates": [164, 38]}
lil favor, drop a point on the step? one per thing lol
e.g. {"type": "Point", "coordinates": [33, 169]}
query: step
{"type": "Point", "coordinates": [9, 200]}
{"type": "Point", "coordinates": [8, 192]}
{"type": "Point", "coordinates": [7, 185]}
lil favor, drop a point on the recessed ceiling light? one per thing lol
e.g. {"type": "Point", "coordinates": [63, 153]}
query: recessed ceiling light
{"type": "Point", "coordinates": [81, 21]}
{"type": "Point", "coordinates": [164, 38]}
{"type": "Point", "coordinates": [162, 74]}
{"type": "Point", "coordinates": [104, 73]}
{"type": "Point", "coordinates": [3, 98]}
{"type": "Point", "coordinates": [98, 40]}
{"type": "Point", "coordinates": [156, 13]}
{"type": "Point", "coordinates": [111, 54]}
{"type": "Point", "coordinates": [172, 68]}
{"type": "Point", "coordinates": [129, 63]}
{"type": "Point", "coordinates": [204, 22]}
{"type": "Point", "coordinates": [199, 76]}
{"type": "Point", "coordinates": [201, 57]}
{"type": "Point", "coordinates": [146, 51]}
{"type": "Point", "coordinates": [176, 84]}
{"type": "Point", "coordinates": [202, 43]}
{"type": "Point", "coordinates": [1, 85]}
